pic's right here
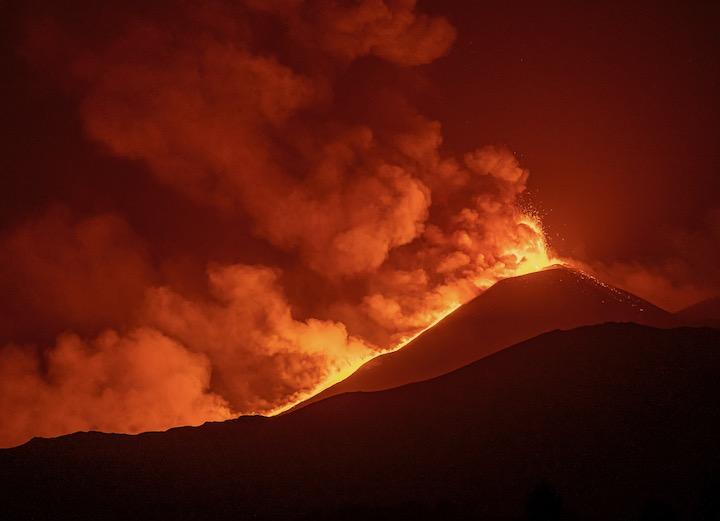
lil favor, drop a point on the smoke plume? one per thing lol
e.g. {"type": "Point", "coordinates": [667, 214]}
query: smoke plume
{"type": "Point", "coordinates": [252, 112]}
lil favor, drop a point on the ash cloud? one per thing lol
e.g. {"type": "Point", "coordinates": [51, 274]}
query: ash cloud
{"type": "Point", "coordinates": [67, 272]}
{"type": "Point", "coordinates": [243, 109]}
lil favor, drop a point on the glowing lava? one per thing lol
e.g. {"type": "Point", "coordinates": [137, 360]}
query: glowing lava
{"type": "Point", "coordinates": [532, 255]}
{"type": "Point", "coordinates": [351, 368]}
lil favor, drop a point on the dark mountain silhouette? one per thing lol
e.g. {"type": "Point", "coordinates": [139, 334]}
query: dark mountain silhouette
{"type": "Point", "coordinates": [703, 313]}
{"type": "Point", "coordinates": [615, 421]}
{"type": "Point", "coordinates": [509, 312]}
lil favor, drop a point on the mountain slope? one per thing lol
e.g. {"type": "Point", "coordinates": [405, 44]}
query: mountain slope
{"type": "Point", "coordinates": [512, 310]}
{"type": "Point", "coordinates": [612, 416]}
{"type": "Point", "coordinates": [703, 313]}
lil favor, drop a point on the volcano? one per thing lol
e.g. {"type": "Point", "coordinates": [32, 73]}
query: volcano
{"type": "Point", "coordinates": [512, 310]}
{"type": "Point", "coordinates": [603, 422]}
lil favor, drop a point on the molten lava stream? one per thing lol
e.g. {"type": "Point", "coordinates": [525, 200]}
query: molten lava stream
{"type": "Point", "coordinates": [523, 257]}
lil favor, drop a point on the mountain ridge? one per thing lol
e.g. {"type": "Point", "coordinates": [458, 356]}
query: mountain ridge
{"type": "Point", "coordinates": [703, 313]}
{"type": "Point", "coordinates": [510, 311]}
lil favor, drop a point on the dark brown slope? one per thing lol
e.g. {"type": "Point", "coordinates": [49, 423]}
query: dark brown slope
{"type": "Point", "coordinates": [511, 311]}
{"type": "Point", "coordinates": [703, 313]}
{"type": "Point", "coordinates": [613, 416]}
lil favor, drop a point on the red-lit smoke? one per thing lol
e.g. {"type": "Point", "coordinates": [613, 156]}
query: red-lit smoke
{"type": "Point", "coordinates": [350, 187]}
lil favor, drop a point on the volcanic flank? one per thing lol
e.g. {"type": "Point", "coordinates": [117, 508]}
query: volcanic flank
{"type": "Point", "coordinates": [512, 310]}
{"type": "Point", "coordinates": [703, 313]}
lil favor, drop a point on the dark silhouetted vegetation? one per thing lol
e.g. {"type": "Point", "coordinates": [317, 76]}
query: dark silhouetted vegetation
{"type": "Point", "coordinates": [544, 504]}
{"type": "Point", "coordinates": [656, 510]}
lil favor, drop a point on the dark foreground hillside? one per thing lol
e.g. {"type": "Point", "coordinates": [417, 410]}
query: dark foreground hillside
{"type": "Point", "coordinates": [607, 422]}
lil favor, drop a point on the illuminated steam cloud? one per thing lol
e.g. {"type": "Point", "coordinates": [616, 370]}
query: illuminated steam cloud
{"type": "Point", "coordinates": [396, 232]}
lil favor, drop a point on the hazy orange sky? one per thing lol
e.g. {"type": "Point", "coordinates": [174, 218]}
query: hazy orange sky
{"type": "Point", "coordinates": [613, 109]}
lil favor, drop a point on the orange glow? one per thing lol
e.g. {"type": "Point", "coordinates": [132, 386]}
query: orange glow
{"type": "Point", "coordinates": [353, 366]}
{"type": "Point", "coordinates": [525, 257]}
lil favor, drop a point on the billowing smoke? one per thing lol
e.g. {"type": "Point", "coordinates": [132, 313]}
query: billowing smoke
{"type": "Point", "coordinates": [292, 120]}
